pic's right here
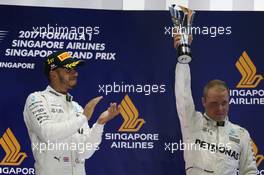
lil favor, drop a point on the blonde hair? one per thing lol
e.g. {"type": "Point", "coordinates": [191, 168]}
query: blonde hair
{"type": "Point", "coordinates": [215, 83]}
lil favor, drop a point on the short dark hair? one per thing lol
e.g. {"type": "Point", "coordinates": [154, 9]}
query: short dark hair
{"type": "Point", "coordinates": [61, 59]}
{"type": "Point", "coordinates": [214, 83]}
{"type": "Point", "coordinates": [46, 71]}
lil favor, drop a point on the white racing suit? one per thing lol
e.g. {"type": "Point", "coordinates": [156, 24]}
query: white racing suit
{"type": "Point", "coordinates": [210, 149]}
{"type": "Point", "coordinates": [60, 136]}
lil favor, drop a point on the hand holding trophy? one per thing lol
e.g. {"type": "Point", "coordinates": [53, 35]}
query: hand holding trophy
{"type": "Point", "coordinates": [182, 25]}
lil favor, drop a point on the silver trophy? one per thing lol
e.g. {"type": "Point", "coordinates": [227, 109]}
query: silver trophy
{"type": "Point", "coordinates": [182, 21]}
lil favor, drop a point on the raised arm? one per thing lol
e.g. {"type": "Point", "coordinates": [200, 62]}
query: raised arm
{"type": "Point", "coordinates": [184, 101]}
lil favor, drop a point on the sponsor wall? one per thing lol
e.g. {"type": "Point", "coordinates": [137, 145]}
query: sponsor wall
{"type": "Point", "coordinates": [130, 60]}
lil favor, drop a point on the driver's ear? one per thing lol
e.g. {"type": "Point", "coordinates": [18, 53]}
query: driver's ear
{"type": "Point", "coordinates": [203, 101]}
{"type": "Point", "coordinates": [53, 74]}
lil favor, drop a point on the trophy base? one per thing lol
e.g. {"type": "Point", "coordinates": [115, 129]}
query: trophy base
{"type": "Point", "coordinates": [184, 59]}
{"type": "Point", "coordinates": [184, 52]}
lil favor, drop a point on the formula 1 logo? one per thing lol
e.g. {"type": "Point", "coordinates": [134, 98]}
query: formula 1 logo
{"type": "Point", "coordinates": [248, 71]}
{"type": "Point", "coordinates": [11, 146]}
{"type": "Point", "coordinates": [259, 157]}
{"type": "Point", "coordinates": [130, 115]}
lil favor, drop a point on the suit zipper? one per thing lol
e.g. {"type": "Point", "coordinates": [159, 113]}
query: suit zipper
{"type": "Point", "coordinates": [72, 162]}
{"type": "Point", "coordinates": [217, 144]}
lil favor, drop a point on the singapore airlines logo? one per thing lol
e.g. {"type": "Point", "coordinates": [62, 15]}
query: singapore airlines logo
{"type": "Point", "coordinates": [259, 157]}
{"type": "Point", "coordinates": [248, 71]}
{"type": "Point", "coordinates": [130, 115]}
{"type": "Point", "coordinates": [9, 143]}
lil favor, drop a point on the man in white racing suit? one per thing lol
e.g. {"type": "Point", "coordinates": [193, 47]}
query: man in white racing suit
{"type": "Point", "coordinates": [214, 145]}
{"type": "Point", "coordinates": [58, 126]}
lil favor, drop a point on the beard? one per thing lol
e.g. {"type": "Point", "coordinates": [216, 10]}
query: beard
{"type": "Point", "coordinates": [73, 83]}
{"type": "Point", "coordinates": [69, 82]}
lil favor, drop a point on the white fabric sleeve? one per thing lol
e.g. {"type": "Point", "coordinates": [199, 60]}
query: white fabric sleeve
{"type": "Point", "coordinates": [247, 164]}
{"type": "Point", "coordinates": [184, 101]}
{"type": "Point", "coordinates": [39, 119]}
{"type": "Point", "coordinates": [90, 139]}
